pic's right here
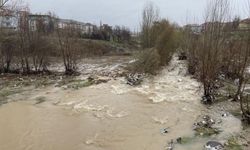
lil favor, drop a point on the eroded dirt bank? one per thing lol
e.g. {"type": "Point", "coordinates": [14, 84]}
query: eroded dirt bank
{"type": "Point", "coordinates": [110, 116]}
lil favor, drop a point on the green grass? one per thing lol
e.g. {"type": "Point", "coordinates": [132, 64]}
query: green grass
{"type": "Point", "coordinates": [40, 100]}
{"type": "Point", "coordinates": [232, 144]}
{"type": "Point", "coordinates": [187, 140]}
{"type": "Point", "coordinates": [4, 93]}
{"type": "Point", "coordinates": [75, 84]}
{"type": "Point", "coordinates": [80, 84]}
{"type": "Point", "coordinates": [206, 132]}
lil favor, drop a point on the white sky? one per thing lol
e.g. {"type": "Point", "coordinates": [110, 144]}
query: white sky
{"type": "Point", "coordinates": [126, 12]}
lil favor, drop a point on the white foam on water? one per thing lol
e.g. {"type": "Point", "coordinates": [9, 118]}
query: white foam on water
{"type": "Point", "coordinates": [120, 89]}
{"type": "Point", "coordinates": [88, 107]}
{"type": "Point", "coordinates": [160, 120]}
{"type": "Point", "coordinates": [99, 115]}
{"type": "Point", "coordinates": [99, 111]}
{"type": "Point", "coordinates": [68, 103]}
{"type": "Point", "coordinates": [91, 141]}
{"type": "Point", "coordinates": [121, 114]}
{"type": "Point", "coordinates": [230, 126]}
{"type": "Point", "coordinates": [171, 85]}
{"type": "Point", "coordinates": [158, 98]}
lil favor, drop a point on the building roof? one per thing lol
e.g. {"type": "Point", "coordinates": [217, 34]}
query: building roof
{"type": "Point", "coordinates": [247, 21]}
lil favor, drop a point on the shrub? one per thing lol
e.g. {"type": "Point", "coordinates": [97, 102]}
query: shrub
{"type": "Point", "coordinates": [148, 61]}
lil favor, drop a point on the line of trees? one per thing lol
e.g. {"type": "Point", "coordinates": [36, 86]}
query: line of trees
{"type": "Point", "coordinates": [219, 51]}
{"type": "Point", "coordinates": [24, 51]}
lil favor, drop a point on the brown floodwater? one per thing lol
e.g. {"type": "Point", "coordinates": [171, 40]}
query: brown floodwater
{"type": "Point", "coordinates": [109, 116]}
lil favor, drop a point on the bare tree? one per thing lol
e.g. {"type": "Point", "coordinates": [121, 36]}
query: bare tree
{"type": "Point", "coordinates": [68, 38]}
{"type": "Point", "coordinates": [3, 4]}
{"type": "Point", "coordinates": [25, 40]}
{"type": "Point", "coordinates": [243, 74]}
{"type": "Point", "coordinates": [211, 45]}
{"type": "Point", "coordinates": [8, 50]}
{"type": "Point", "coordinates": [149, 16]}
{"type": "Point", "coordinates": [39, 49]}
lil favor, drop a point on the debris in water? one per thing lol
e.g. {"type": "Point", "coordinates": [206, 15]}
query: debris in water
{"type": "Point", "coordinates": [213, 145]}
{"type": "Point", "coordinates": [205, 127]}
{"type": "Point", "coordinates": [207, 99]}
{"type": "Point", "coordinates": [134, 79]}
{"type": "Point", "coordinates": [170, 145]}
{"type": "Point", "coordinates": [164, 130]}
{"type": "Point", "coordinates": [179, 140]}
{"type": "Point", "coordinates": [182, 56]}
{"type": "Point", "coordinates": [225, 115]}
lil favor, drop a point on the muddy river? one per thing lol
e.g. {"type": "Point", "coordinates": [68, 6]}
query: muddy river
{"type": "Point", "coordinates": [108, 116]}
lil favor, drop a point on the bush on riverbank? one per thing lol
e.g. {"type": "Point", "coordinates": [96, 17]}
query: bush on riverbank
{"type": "Point", "coordinates": [148, 61]}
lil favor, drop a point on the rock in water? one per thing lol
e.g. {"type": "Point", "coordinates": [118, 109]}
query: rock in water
{"type": "Point", "coordinates": [213, 145]}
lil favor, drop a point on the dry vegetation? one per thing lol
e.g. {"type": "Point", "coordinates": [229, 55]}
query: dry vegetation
{"type": "Point", "coordinates": [158, 38]}
{"type": "Point", "coordinates": [219, 53]}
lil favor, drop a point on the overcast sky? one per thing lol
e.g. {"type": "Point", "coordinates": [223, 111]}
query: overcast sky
{"type": "Point", "coordinates": [125, 12]}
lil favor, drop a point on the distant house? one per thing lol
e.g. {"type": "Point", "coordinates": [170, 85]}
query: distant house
{"type": "Point", "coordinates": [195, 28]}
{"type": "Point", "coordinates": [212, 25]}
{"type": "Point", "coordinates": [41, 22]}
{"type": "Point", "coordinates": [244, 24]}
{"type": "Point", "coordinates": [83, 27]}
{"type": "Point", "coordinates": [22, 19]}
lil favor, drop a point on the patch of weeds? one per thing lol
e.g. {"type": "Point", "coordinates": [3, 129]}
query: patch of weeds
{"type": "Point", "coordinates": [185, 140]}
{"type": "Point", "coordinates": [43, 83]}
{"type": "Point", "coordinates": [206, 132]}
{"type": "Point", "coordinates": [3, 101]}
{"type": "Point", "coordinates": [80, 84]}
{"type": "Point", "coordinates": [65, 82]}
{"type": "Point", "coordinates": [40, 100]}
{"type": "Point", "coordinates": [8, 92]}
{"type": "Point", "coordinates": [233, 144]}
{"type": "Point", "coordinates": [221, 98]}
{"type": "Point", "coordinates": [4, 93]}
{"type": "Point", "coordinates": [236, 113]}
